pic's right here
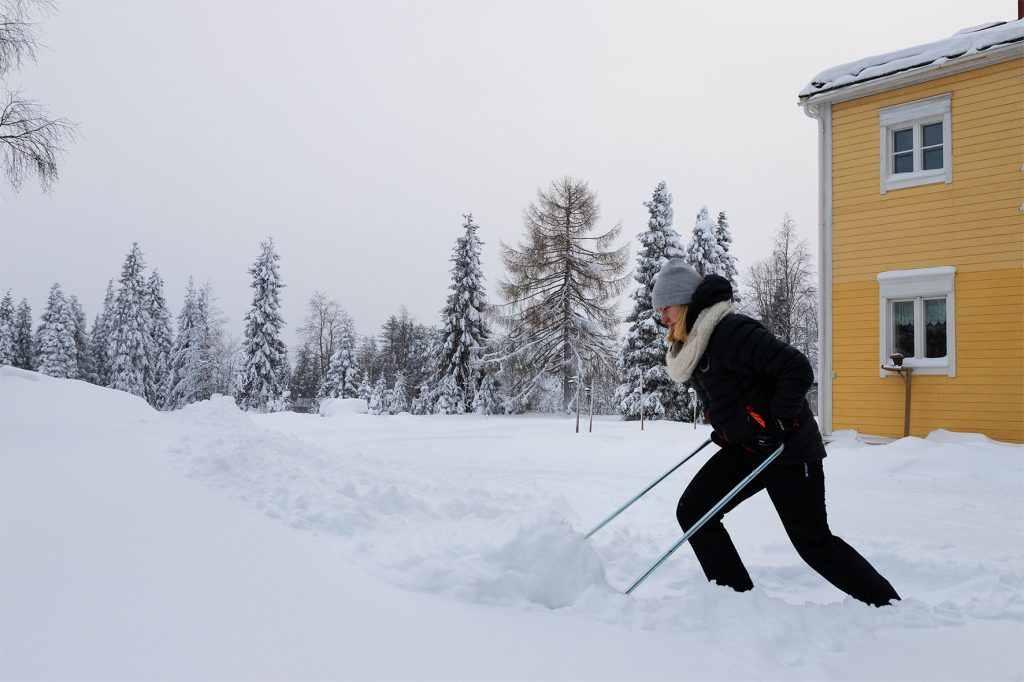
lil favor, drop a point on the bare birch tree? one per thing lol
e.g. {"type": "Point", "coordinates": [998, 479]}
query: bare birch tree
{"type": "Point", "coordinates": [30, 141]}
{"type": "Point", "coordinates": [780, 291]}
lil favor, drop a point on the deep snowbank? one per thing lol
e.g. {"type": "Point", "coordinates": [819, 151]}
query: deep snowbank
{"type": "Point", "coordinates": [402, 534]}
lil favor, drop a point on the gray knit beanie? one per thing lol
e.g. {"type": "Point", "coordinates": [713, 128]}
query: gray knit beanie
{"type": "Point", "coordinates": [674, 284]}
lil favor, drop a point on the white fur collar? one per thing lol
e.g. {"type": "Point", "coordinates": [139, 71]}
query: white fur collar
{"type": "Point", "coordinates": [682, 358]}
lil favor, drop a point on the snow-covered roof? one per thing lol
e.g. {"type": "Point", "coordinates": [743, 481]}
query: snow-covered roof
{"type": "Point", "coordinates": [964, 43]}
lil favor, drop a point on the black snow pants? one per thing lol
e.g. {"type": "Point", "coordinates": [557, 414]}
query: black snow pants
{"type": "Point", "coordinates": [798, 493]}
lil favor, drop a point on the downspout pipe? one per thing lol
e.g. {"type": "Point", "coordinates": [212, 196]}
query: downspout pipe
{"type": "Point", "coordinates": [822, 112]}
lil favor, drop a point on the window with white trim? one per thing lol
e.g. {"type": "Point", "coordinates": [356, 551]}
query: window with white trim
{"type": "Point", "coordinates": [915, 140]}
{"type": "Point", "coordinates": [916, 319]}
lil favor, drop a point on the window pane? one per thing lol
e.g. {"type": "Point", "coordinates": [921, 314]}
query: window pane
{"type": "Point", "coordinates": [931, 134]}
{"type": "Point", "coordinates": [903, 163]}
{"type": "Point", "coordinates": [903, 328]}
{"type": "Point", "coordinates": [935, 328]}
{"type": "Point", "coordinates": [933, 158]}
{"type": "Point", "coordinates": [903, 140]}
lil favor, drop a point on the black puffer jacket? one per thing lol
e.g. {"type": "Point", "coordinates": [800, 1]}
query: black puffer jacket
{"type": "Point", "coordinates": [747, 379]}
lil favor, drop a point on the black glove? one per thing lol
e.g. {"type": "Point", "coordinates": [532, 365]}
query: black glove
{"type": "Point", "coordinates": [783, 427]}
{"type": "Point", "coordinates": [718, 439]}
{"type": "Point", "coordinates": [767, 443]}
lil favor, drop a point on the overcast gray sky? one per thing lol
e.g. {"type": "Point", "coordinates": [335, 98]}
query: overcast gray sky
{"type": "Point", "coordinates": [356, 134]}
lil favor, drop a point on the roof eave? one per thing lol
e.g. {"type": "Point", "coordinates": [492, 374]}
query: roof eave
{"type": "Point", "coordinates": [993, 55]}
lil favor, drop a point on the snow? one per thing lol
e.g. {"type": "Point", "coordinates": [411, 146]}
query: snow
{"type": "Point", "coordinates": [209, 543]}
{"type": "Point", "coordinates": [336, 407]}
{"type": "Point", "coordinates": [963, 43]}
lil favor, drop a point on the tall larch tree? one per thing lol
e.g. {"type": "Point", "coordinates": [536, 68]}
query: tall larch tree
{"type": "Point", "coordinates": [24, 354]}
{"type": "Point", "coordinates": [130, 330]}
{"type": "Point", "coordinates": [161, 339]}
{"type": "Point", "coordinates": [465, 331]}
{"type": "Point", "coordinates": [7, 330]}
{"type": "Point", "coordinates": [561, 284]}
{"type": "Point", "coordinates": [265, 371]}
{"type": "Point", "coordinates": [57, 354]}
{"type": "Point", "coordinates": [643, 355]}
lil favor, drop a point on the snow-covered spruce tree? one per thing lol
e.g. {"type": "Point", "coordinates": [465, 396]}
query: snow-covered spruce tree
{"type": "Point", "coordinates": [643, 354]}
{"type": "Point", "coordinates": [398, 397]}
{"type": "Point", "coordinates": [185, 384]}
{"type": "Point", "coordinates": [99, 339]}
{"type": "Point", "coordinates": [24, 353]}
{"type": "Point", "coordinates": [703, 251]}
{"type": "Point", "coordinates": [265, 374]}
{"type": "Point", "coordinates": [423, 403]}
{"type": "Point", "coordinates": [405, 346]}
{"type": "Point", "coordinates": [377, 403]}
{"type": "Point", "coordinates": [465, 332]}
{"type": "Point", "coordinates": [727, 266]}
{"type": "Point", "coordinates": [340, 381]}
{"type": "Point", "coordinates": [486, 400]}
{"type": "Point", "coordinates": [561, 285]}
{"type": "Point", "coordinates": [57, 354]}
{"type": "Point", "coordinates": [448, 397]}
{"type": "Point", "coordinates": [7, 330]}
{"type": "Point", "coordinates": [130, 330]}
{"type": "Point", "coordinates": [305, 380]}
{"type": "Point", "coordinates": [161, 339]}
{"type": "Point", "coordinates": [82, 355]}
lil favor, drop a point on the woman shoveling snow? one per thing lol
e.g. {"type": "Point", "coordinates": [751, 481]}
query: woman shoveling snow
{"type": "Point", "coordinates": [753, 388]}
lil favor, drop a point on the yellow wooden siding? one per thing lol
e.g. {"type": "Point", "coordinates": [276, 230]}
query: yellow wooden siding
{"type": "Point", "coordinates": [973, 223]}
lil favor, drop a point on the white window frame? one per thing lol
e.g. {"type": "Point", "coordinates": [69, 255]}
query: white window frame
{"type": "Point", "coordinates": [915, 115]}
{"type": "Point", "coordinates": [917, 285]}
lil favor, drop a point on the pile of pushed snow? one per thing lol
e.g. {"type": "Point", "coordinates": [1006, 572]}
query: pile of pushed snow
{"type": "Point", "coordinates": [336, 407]}
{"type": "Point", "coordinates": [520, 560]}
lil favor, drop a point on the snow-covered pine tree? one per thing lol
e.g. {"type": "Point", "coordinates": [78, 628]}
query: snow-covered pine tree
{"type": "Point", "coordinates": [643, 353]}
{"type": "Point", "coordinates": [305, 380]}
{"type": "Point", "coordinates": [7, 330]}
{"type": "Point", "coordinates": [57, 353]}
{"type": "Point", "coordinates": [161, 339]}
{"type": "Point", "coordinates": [185, 383]}
{"type": "Point", "coordinates": [398, 398]}
{"type": "Point", "coordinates": [465, 332]}
{"type": "Point", "coordinates": [703, 251]}
{"type": "Point", "coordinates": [265, 374]}
{"type": "Point", "coordinates": [727, 266]}
{"type": "Point", "coordinates": [377, 403]}
{"type": "Point", "coordinates": [486, 400]}
{"type": "Point", "coordinates": [448, 397]}
{"type": "Point", "coordinates": [130, 330]}
{"type": "Point", "coordinates": [340, 381]}
{"type": "Point", "coordinates": [24, 353]}
{"type": "Point", "coordinates": [82, 355]}
{"type": "Point", "coordinates": [99, 339]}
{"type": "Point", "coordinates": [423, 403]}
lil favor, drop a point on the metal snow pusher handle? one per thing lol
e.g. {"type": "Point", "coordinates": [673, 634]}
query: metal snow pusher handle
{"type": "Point", "coordinates": [645, 490]}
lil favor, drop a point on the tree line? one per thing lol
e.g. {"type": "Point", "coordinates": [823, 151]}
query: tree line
{"type": "Point", "coordinates": [552, 341]}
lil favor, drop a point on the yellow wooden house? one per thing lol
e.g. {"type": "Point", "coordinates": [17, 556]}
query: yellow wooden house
{"type": "Point", "coordinates": [921, 236]}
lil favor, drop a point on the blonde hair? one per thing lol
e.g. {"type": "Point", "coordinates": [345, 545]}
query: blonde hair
{"type": "Point", "coordinates": [677, 332]}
